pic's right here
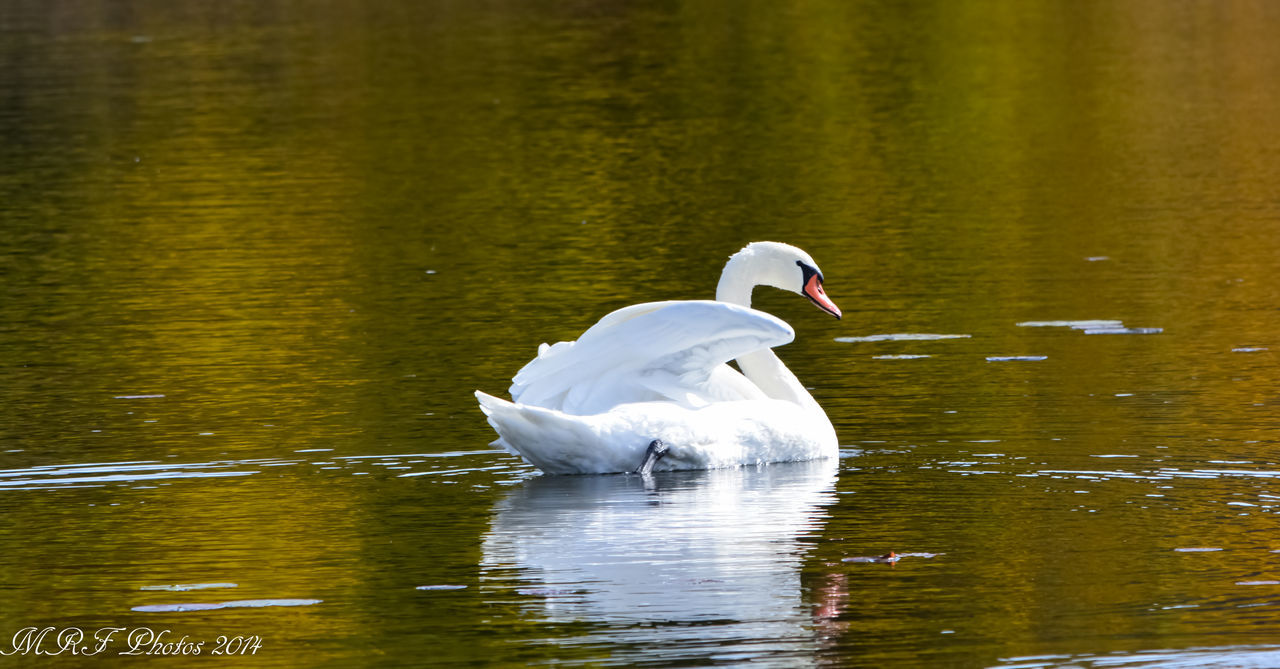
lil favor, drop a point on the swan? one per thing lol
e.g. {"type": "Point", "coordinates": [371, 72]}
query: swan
{"type": "Point", "coordinates": [648, 386]}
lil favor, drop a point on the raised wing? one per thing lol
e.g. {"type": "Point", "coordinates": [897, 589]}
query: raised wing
{"type": "Point", "coordinates": [654, 351]}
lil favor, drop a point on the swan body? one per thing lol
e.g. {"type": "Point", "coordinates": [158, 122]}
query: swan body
{"type": "Point", "coordinates": [658, 371]}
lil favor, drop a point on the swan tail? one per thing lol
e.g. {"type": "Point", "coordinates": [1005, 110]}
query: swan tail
{"type": "Point", "coordinates": [490, 406]}
{"type": "Point", "coordinates": [555, 442]}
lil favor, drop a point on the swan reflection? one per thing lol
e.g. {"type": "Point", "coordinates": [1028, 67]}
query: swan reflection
{"type": "Point", "coordinates": [694, 559]}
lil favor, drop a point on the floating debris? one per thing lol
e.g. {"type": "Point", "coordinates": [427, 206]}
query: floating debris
{"type": "Point", "coordinates": [1250, 349]}
{"type": "Point", "coordinates": [1205, 549]}
{"type": "Point", "coordinates": [183, 587]}
{"type": "Point", "coordinates": [441, 587]}
{"type": "Point", "coordinates": [899, 357]}
{"type": "Point", "coordinates": [1257, 582]}
{"type": "Point", "coordinates": [887, 558]}
{"type": "Point", "coordinates": [242, 603]}
{"type": "Point", "coordinates": [908, 336]}
{"type": "Point", "coordinates": [890, 557]}
{"type": "Point", "coordinates": [1097, 258]}
{"type": "Point", "coordinates": [1025, 358]}
{"type": "Point", "coordinates": [137, 397]}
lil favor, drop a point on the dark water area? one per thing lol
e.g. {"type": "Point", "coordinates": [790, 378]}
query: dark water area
{"type": "Point", "coordinates": [255, 258]}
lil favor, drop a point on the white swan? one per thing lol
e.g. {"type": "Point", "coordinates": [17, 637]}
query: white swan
{"type": "Point", "coordinates": [651, 380]}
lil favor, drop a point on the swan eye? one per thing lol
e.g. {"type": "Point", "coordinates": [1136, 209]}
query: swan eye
{"type": "Point", "coordinates": [807, 271]}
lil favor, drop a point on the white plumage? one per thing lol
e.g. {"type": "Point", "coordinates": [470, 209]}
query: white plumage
{"type": "Point", "coordinates": [658, 371]}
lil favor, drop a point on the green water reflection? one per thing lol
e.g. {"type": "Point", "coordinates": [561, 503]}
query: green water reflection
{"type": "Point", "coordinates": [302, 227]}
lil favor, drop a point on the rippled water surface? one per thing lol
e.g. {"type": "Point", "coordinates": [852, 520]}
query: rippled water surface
{"type": "Point", "coordinates": [255, 257]}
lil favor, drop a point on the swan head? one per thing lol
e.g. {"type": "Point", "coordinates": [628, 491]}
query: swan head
{"type": "Point", "coordinates": [773, 264]}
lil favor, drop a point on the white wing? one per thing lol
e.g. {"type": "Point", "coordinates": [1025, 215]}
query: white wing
{"type": "Point", "coordinates": [654, 351]}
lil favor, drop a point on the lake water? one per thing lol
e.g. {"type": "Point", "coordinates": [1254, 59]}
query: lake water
{"type": "Point", "coordinates": [256, 256]}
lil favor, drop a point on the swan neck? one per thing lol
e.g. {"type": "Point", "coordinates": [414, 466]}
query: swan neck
{"type": "Point", "coordinates": [763, 368]}
{"type": "Point", "coordinates": [736, 283]}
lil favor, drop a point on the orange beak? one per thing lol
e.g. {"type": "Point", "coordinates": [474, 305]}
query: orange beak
{"type": "Point", "coordinates": [813, 290]}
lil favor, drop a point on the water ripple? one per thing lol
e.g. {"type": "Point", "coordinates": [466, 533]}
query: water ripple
{"type": "Point", "coordinates": [902, 336]}
{"type": "Point", "coordinates": [97, 474]}
{"type": "Point", "coordinates": [242, 603]}
{"type": "Point", "coordinates": [1223, 657]}
{"type": "Point", "coordinates": [184, 587]}
{"type": "Point", "coordinates": [101, 474]}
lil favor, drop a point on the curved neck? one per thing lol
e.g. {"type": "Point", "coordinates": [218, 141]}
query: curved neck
{"type": "Point", "coordinates": [762, 367]}
{"type": "Point", "coordinates": [736, 281]}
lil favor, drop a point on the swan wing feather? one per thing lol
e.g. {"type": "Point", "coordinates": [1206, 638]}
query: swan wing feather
{"type": "Point", "coordinates": [673, 350]}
